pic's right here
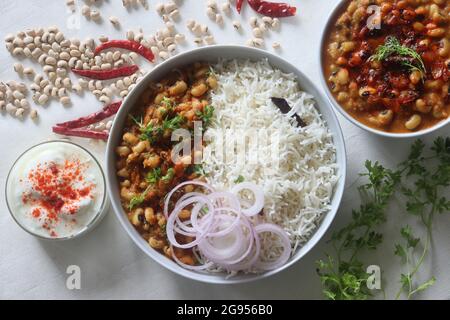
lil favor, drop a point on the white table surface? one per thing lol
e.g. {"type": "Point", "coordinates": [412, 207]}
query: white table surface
{"type": "Point", "coordinates": [112, 267]}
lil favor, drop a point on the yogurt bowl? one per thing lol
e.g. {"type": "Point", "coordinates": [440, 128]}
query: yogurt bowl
{"type": "Point", "coordinates": [56, 190]}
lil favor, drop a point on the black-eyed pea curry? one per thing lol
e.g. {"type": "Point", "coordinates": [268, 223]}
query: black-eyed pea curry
{"type": "Point", "coordinates": [396, 77]}
{"type": "Point", "coordinates": [145, 167]}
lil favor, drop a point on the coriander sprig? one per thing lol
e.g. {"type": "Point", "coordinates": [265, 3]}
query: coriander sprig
{"type": "Point", "coordinates": [153, 132]}
{"type": "Point", "coordinates": [206, 116]}
{"type": "Point", "coordinates": [198, 169]}
{"type": "Point", "coordinates": [172, 123]}
{"type": "Point", "coordinates": [239, 179]}
{"type": "Point", "coordinates": [392, 46]}
{"type": "Point", "coordinates": [425, 198]}
{"type": "Point", "coordinates": [139, 199]}
{"type": "Point", "coordinates": [169, 175]}
{"type": "Point", "coordinates": [167, 103]}
{"type": "Point", "coordinates": [154, 176]}
{"type": "Point", "coordinates": [345, 276]}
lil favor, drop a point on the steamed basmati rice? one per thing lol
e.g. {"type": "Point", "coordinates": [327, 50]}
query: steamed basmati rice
{"type": "Point", "coordinates": [298, 180]}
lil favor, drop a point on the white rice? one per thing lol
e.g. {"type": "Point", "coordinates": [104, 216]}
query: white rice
{"type": "Point", "coordinates": [298, 190]}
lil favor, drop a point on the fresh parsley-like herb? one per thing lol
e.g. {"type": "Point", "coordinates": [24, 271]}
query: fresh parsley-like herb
{"type": "Point", "coordinates": [167, 103]}
{"type": "Point", "coordinates": [206, 116]}
{"type": "Point", "coordinates": [169, 175]}
{"type": "Point", "coordinates": [345, 277]}
{"type": "Point", "coordinates": [198, 169]}
{"type": "Point", "coordinates": [154, 176]}
{"type": "Point", "coordinates": [239, 179]}
{"type": "Point", "coordinates": [148, 132]}
{"type": "Point", "coordinates": [153, 132]}
{"type": "Point", "coordinates": [173, 123]}
{"type": "Point", "coordinates": [424, 200]}
{"type": "Point", "coordinates": [136, 121]}
{"type": "Point", "coordinates": [392, 46]}
{"type": "Point", "coordinates": [138, 199]}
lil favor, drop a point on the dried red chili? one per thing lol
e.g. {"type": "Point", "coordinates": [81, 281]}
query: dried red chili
{"type": "Point", "coordinates": [82, 133]}
{"type": "Point", "coordinates": [95, 117]}
{"type": "Point", "coordinates": [107, 74]}
{"type": "Point", "coordinates": [239, 4]}
{"type": "Point", "coordinates": [273, 9]}
{"type": "Point", "coordinates": [127, 45]}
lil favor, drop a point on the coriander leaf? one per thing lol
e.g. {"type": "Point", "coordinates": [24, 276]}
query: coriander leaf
{"type": "Point", "coordinates": [198, 169]}
{"type": "Point", "coordinates": [239, 179]}
{"type": "Point", "coordinates": [173, 124]}
{"type": "Point", "coordinates": [206, 116]}
{"type": "Point", "coordinates": [443, 205]}
{"type": "Point", "coordinates": [346, 277]}
{"type": "Point", "coordinates": [136, 201]}
{"type": "Point", "coordinates": [406, 233]}
{"type": "Point", "coordinates": [423, 179]}
{"type": "Point", "coordinates": [150, 133]}
{"type": "Point", "coordinates": [169, 175]}
{"type": "Point", "coordinates": [405, 280]}
{"type": "Point", "coordinates": [441, 148]}
{"type": "Point", "coordinates": [423, 286]}
{"type": "Point", "coordinates": [137, 122]}
{"type": "Point", "coordinates": [400, 251]}
{"type": "Point", "coordinates": [416, 150]}
{"type": "Point", "coordinates": [154, 176]}
{"type": "Point", "coordinates": [329, 295]}
{"type": "Point", "coordinates": [167, 103]}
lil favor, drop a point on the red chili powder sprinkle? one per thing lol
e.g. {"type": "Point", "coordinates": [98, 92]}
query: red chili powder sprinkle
{"type": "Point", "coordinates": [36, 213]}
{"type": "Point", "coordinates": [56, 187]}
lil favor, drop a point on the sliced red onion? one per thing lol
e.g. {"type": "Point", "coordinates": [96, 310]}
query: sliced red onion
{"type": "Point", "coordinates": [207, 217]}
{"type": "Point", "coordinates": [230, 227]}
{"type": "Point", "coordinates": [239, 263]}
{"type": "Point", "coordinates": [285, 255]}
{"type": "Point", "coordinates": [200, 201]}
{"type": "Point", "coordinates": [258, 193]}
{"type": "Point", "coordinates": [224, 218]}
{"type": "Point", "coordinates": [214, 253]}
{"type": "Point", "coordinates": [218, 196]}
{"type": "Point", "coordinates": [172, 220]}
{"type": "Point", "coordinates": [170, 194]}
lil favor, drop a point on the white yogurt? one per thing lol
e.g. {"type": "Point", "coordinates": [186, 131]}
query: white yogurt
{"type": "Point", "coordinates": [55, 190]}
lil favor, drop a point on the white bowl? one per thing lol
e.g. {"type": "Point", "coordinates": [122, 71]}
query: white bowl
{"type": "Point", "coordinates": [323, 48]}
{"type": "Point", "coordinates": [90, 225]}
{"type": "Point", "coordinates": [212, 54]}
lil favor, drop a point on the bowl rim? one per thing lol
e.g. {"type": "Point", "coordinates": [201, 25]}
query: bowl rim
{"type": "Point", "coordinates": [323, 42]}
{"type": "Point", "coordinates": [326, 221]}
{"type": "Point", "coordinates": [96, 218]}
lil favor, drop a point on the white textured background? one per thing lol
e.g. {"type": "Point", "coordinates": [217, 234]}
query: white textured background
{"type": "Point", "coordinates": [112, 266]}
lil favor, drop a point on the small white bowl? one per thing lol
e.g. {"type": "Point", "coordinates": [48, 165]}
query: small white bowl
{"type": "Point", "coordinates": [97, 217]}
{"type": "Point", "coordinates": [212, 54]}
{"type": "Point", "coordinates": [323, 48]}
